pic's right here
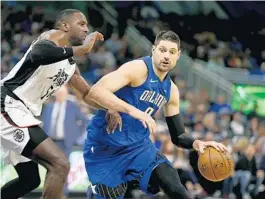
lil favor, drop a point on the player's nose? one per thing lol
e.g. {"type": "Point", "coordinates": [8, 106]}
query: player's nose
{"type": "Point", "coordinates": [85, 30]}
{"type": "Point", "coordinates": [166, 57]}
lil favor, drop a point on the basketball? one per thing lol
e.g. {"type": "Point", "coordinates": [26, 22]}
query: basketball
{"type": "Point", "coordinates": [214, 165]}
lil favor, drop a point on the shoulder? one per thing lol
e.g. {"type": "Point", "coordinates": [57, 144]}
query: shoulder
{"type": "Point", "coordinates": [134, 68]}
{"type": "Point", "coordinates": [55, 37]}
{"type": "Point", "coordinates": [134, 64]}
{"type": "Point", "coordinates": [174, 92]}
{"type": "Point", "coordinates": [174, 88]}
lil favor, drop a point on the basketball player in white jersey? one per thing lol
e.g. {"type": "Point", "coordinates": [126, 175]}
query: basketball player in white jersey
{"type": "Point", "coordinates": [46, 66]}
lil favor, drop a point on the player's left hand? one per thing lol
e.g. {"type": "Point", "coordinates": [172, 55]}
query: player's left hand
{"type": "Point", "coordinates": [114, 120]}
{"type": "Point", "coordinates": [199, 146]}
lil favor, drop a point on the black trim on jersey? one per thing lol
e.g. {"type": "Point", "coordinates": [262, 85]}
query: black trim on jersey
{"type": "Point", "coordinates": [4, 93]}
{"type": "Point", "coordinates": [26, 69]}
{"type": "Point", "coordinates": [46, 52]}
{"type": "Point", "coordinates": [71, 60]}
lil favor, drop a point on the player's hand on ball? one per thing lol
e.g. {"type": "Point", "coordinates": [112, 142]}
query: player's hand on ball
{"type": "Point", "coordinates": [114, 120]}
{"type": "Point", "coordinates": [199, 146]}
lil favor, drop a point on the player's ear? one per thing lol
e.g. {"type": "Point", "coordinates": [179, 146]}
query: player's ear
{"type": "Point", "coordinates": [153, 48]}
{"type": "Point", "coordinates": [65, 27]}
{"type": "Point", "coordinates": [179, 53]}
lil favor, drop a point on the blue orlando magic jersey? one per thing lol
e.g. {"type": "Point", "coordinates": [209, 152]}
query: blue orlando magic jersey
{"type": "Point", "coordinates": [149, 97]}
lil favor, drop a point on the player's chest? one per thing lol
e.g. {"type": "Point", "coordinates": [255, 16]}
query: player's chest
{"type": "Point", "coordinates": [58, 73]}
{"type": "Point", "coordinates": [154, 97]}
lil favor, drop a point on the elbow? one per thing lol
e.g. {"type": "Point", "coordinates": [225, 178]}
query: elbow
{"type": "Point", "coordinates": [92, 93]}
{"type": "Point", "coordinates": [175, 141]}
{"type": "Point", "coordinates": [35, 55]}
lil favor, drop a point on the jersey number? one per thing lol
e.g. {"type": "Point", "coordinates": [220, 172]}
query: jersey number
{"type": "Point", "coordinates": [149, 110]}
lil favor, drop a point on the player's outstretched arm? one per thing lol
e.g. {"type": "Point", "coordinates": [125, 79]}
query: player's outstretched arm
{"type": "Point", "coordinates": [177, 129]}
{"type": "Point", "coordinates": [102, 91]}
{"type": "Point", "coordinates": [52, 48]}
{"type": "Point", "coordinates": [81, 88]}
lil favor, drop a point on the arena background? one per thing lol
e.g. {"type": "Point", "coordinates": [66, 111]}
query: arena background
{"type": "Point", "coordinates": [220, 75]}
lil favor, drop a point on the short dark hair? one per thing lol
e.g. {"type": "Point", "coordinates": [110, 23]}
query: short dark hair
{"type": "Point", "coordinates": [167, 35]}
{"type": "Point", "coordinates": [63, 15]}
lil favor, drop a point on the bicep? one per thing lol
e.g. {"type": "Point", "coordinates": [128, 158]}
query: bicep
{"type": "Point", "coordinates": [117, 79]}
{"type": "Point", "coordinates": [172, 107]}
{"type": "Point", "coordinates": [46, 52]}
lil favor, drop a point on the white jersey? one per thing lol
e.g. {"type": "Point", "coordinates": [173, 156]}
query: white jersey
{"type": "Point", "coordinates": [33, 84]}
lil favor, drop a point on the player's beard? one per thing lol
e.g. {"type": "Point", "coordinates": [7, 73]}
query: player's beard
{"type": "Point", "coordinates": [75, 41]}
{"type": "Point", "coordinates": [163, 68]}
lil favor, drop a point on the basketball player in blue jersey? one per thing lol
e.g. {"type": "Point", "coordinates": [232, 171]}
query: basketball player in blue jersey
{"type": "Point", "coordinates": [113, 160]}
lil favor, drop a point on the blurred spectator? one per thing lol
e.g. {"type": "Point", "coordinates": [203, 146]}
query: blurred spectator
{"type": "Point", "coordinates": [253, 129]}
{"type": "Point", "coordinates": [235, 45]}
{"type": "Point", "coordinates": [245, 168]}
{"type": "Point", "coordinates": [220, 104]}
{"type": "Point", "coordinates": [216, 62]}
{"type": "Point", "coordinates": [113, 44]}
{"type": "Point", "coordinates": [237, 125]}
{"type": "Point", "coordinates": [102, 57]}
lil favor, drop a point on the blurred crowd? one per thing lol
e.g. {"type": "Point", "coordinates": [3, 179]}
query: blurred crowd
{"type": "Point", "coordinates": [204, 119]}
{"type": "Point", "coordinates": [204, 45]}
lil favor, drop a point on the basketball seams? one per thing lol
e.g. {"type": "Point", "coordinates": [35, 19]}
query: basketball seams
{"type": "Point", "coordinates": [210, 161]}
{"type": "Point", "coordinates": [225, 162]}
{"type": "Point", "coordinates": [230, 163]}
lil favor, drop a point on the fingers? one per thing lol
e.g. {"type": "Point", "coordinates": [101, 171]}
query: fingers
{"type": "Point", "coordinates": [201, 148]}
{"type": "Point", "coordinates": [222, 147]}
{"type": "Point", "coordinates": [120, 125]}
{"type": "Point", "coordinates": [114, 120]}
{"type": "Point", "coordinates": [218, 146]}
{"type": "Point", "coordinates": [151, 125]}
{"type": "Point", "coordinates": [144, 123]}
{"type": "Point", "coordinates": [99, 36]}
{"type": "Point", "coordinates": [113, 124]}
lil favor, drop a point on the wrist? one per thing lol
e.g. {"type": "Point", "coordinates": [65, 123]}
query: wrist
{"type": "Point", "coordinates": [79, 50]}
{"type": "Point", "coordinates": [195, 145]}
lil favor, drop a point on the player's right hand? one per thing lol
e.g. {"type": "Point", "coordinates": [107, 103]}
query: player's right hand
{"type": "Point", "coordinates": [91, 39]}
{"type": "Point", "coordinates": [146, 119]}
{"type": "Point", "coordinates": [114, 120]}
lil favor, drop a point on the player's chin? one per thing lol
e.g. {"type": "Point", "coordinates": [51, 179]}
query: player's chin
{"type": "Point", "coordinates": [164, 68]}
{"type": "Point", "coordinates": [78, 42]}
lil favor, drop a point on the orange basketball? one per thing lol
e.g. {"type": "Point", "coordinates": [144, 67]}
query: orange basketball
{"type": "Point", "coordinates": [214, 165]}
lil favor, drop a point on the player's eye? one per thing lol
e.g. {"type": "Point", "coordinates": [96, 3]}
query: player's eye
{"type": "Point", "coordinates": [172, 52]}
{"type": "Point", "coordinates": [162, 50]}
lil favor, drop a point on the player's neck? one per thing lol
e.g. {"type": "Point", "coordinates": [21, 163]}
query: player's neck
{"type": "Point", "coordinates": [63, 39]}
{"type": "Point", "coordinates": [160, 74]}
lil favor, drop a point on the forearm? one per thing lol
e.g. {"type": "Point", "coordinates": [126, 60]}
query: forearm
{"type": "Point", "coordinates": [46, 52]}
{"type": "Point", "coordinates": [107, 99]}
{"type": "Point", "coordinates": [184, 141]}
{"type": "Point", "coordinates": [177, 132]}
{"type": "Point", "coordinates": [84, 89]}
{"type": "Point", "coordinates": [93, 104]}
